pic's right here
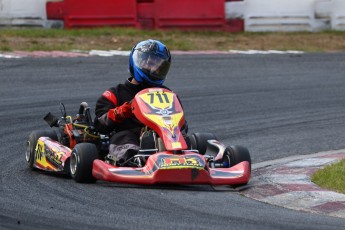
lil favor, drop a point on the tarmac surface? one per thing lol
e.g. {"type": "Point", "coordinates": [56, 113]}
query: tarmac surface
{"type": "Point", "coordinates": [276, 105]}
{"type": "Point", "coordinates": [287, 183]}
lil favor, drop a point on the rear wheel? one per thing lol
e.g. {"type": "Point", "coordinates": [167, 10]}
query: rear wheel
{"type": "Point", "coordinates": [199, 141]}
{"type": "Point", "coordinates": [234, 155]}
{"type": "Point", "coordinates": [81, 162]}
{"type": "Point", "coordinates": [32, 142]}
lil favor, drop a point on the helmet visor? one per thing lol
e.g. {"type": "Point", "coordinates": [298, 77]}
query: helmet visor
{"type": "Point", "coordinates": [155, 66]}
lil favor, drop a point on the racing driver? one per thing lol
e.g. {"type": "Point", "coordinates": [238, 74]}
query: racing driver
{"type": "Point", "coordinates": [149, 64]}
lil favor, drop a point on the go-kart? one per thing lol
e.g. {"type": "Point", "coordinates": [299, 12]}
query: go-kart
{"type": "Point", "coordinates": [166, 156]}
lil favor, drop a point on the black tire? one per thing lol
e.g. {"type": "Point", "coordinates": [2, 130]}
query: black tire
{"type": "Point", "coordinates": [32, 142]}
{"type": "Point", "coordinates": [81, 162]}
{"type": "Point", "coordinates": [236, 154]}
{"type": "Point", "coordinates": [199, 141]}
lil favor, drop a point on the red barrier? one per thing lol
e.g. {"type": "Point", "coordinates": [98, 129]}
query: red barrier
{"type": "Point", "coordinates": [234, 24]}
{"type": "Point", "coordinates": [189, 15]}
{"type": "Point", "coordinates": [94, 13]}
{"type": "Point", "coordinates": [145, 14]}
{"type": "Point", "coordinates": [56, 10]}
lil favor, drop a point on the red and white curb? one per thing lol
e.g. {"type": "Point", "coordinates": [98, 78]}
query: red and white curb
{"type": "Point", "coordinates": [179, 52]}
{"type": "Point", "coordinates": [287, 183]}
{"type": "Point", "coordinates": [265, 52]}
{"type": "Point", "coordinates": [40, 54]}
{"type": "Point", "coordinates": [111, 53]}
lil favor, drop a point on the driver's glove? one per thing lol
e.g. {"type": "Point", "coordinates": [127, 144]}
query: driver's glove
{"type": "Point", "coordinates": [120, 113]}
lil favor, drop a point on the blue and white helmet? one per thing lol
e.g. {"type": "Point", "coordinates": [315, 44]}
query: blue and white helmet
{"type": "Point", "coordinates": [149, 62]}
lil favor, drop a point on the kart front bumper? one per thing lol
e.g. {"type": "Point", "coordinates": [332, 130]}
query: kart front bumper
{"type": "Point", "coordinates": [236, 175]}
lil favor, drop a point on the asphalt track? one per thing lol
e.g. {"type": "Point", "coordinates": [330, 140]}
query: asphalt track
{"type": "Point", "coordinates": [276, 105]}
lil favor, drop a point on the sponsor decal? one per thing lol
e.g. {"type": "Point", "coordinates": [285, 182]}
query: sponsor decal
{"type": "Point", "coordinates": [49, 157]}
{"type": "Point", "coordinates": [180, 162]}
{"type": "Point", "coordinates": [54, 155]}
{"type": "Point", "coordinates": [42, 161]}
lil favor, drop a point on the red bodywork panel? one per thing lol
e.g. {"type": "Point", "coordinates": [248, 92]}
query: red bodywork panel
{"type": "Point", "coordinates": [158, 171]}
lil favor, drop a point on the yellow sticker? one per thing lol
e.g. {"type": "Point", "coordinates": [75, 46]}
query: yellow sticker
{"type": "Point", "coordinates": [176, 145]}
{"type": "Point", "coordinates": [158, 99]}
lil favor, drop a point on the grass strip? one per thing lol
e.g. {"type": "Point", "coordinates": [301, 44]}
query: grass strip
{"type": "Point", "coordinates": [31, 39]}
{"type": "Point", "coordinates": [331, 177]}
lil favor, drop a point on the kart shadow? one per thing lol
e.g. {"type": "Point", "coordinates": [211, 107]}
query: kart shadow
{"type": "Point", "coordinates": [182, 187]}
{"type": "Point", "coordinates": [49, 174]}
{"type": "Point", "coordinates": [203, 188]}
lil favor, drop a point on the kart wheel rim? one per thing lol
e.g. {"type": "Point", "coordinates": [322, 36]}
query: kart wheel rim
{"type": "Point", "coordinates": [28, 151]}
{"type": "Point", "coordinates": [73, 163]}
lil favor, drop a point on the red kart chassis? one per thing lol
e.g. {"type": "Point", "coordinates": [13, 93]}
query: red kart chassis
{"type": "Point", "coordinates": [160, 110]}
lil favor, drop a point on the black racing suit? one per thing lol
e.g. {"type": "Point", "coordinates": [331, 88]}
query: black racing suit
{"type": "Point", "coordinates": [126, 134]}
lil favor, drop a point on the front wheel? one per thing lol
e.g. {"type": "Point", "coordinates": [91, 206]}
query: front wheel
{"type": "Point", "coordinates": [236, 154]}
{"type": "Point", "coordinates": [32, 142]}
{"type": "Point", "coordinates": [81, 162]}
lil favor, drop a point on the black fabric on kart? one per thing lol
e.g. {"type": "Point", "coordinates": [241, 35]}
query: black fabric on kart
{"type": "Point", "coordinates": [147, 141]}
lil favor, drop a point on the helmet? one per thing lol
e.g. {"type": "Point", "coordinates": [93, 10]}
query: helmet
{"type": "Point", "coordinates": [149, 62]}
